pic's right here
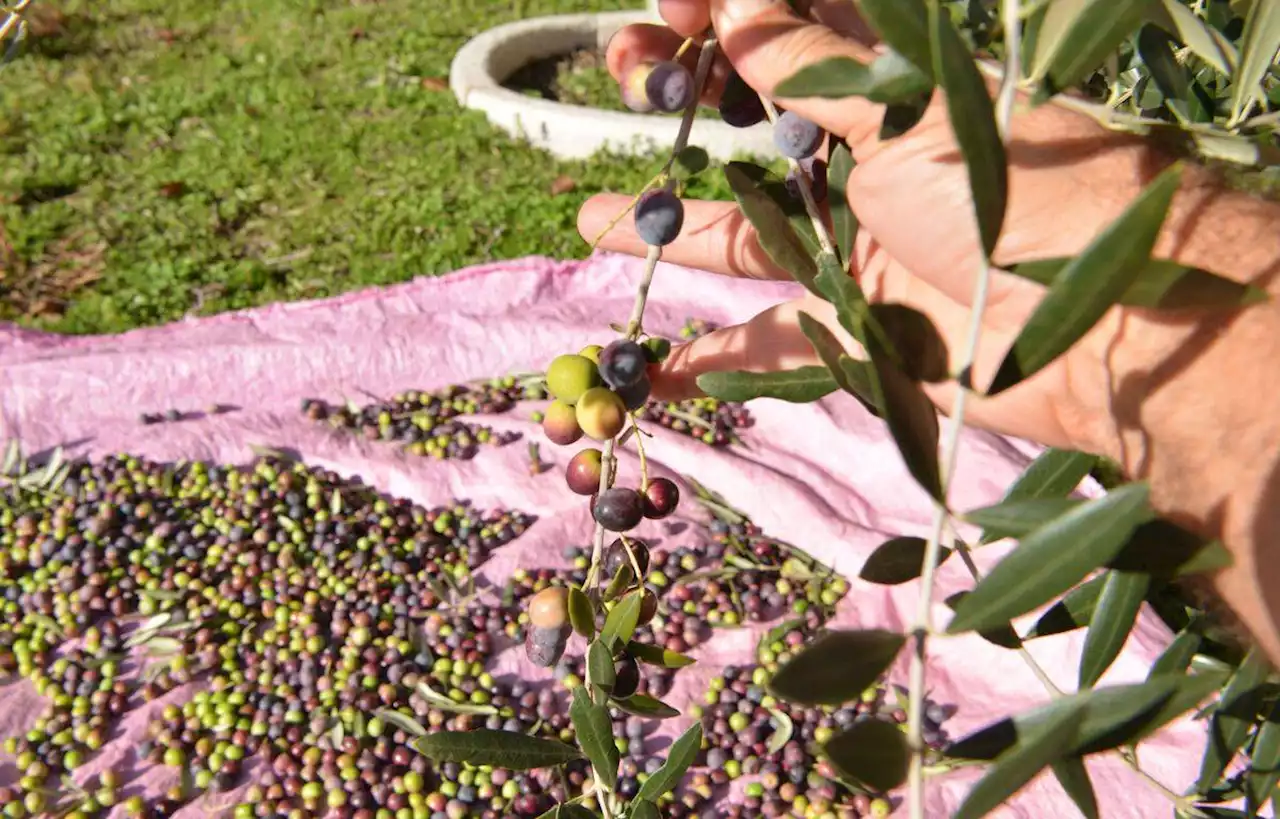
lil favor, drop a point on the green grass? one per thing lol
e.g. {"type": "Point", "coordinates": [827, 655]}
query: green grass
{"type": "Point", "coordinates": [166, 157]}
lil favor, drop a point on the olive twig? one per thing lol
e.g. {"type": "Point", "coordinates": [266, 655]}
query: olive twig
{"type": "Point", "coordinates": [644, 462]}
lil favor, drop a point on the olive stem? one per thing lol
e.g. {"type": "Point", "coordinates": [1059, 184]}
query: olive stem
{"type": "Point", "coordinates": [644, 462]}
{"type": "Point", "coordinates": [1009, 10]}
{"type": "Point", "coordinates": [14, 18]}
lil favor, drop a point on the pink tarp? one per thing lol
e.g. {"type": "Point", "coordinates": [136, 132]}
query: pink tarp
{"type": "Point", "coordinates": [825, 476]}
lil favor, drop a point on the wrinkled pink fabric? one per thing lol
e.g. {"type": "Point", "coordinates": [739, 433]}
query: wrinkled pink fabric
{"type": "Point", "coordinates": [825, 476]}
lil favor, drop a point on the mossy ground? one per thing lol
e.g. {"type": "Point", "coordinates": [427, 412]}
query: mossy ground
{"type": "Point", "coordinates": [160, 158]}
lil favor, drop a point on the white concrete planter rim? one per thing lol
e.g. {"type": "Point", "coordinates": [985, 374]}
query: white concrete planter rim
{"type": "Point", "coordinates": [573, 131]}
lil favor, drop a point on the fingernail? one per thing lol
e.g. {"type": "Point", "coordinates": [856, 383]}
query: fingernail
{"type": "Point", "coordinates": [746, 9]}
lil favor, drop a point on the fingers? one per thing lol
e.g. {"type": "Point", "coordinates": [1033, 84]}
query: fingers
{"type": "Point", "coordinates": [716, 237]}
{"type": "Point", "coordinates": [645, 42]}
{"type": "Point", "coordinates": [769, 342]}
{"type": "Point", "coordinates": [767, 43]}
{"type": "Point", "coordinates": [688, 18]}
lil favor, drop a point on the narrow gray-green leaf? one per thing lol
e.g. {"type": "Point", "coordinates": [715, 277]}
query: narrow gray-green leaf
{"type": "Point", "coordinates": [911, 416]}
{"type": "Point", "coordinates": [1113, 619]}
{"type": "Point", "coordinates": [872, 752]}
{"type": "Point", "coordinates": [655, 655]}
{"type": "Point", "coordinates": [856, 379]}
{"type": "Point", "coordinates": [594, 731]}
{"type": "Point", "coordinates": [1050, 29]}
{"type": "Point", "coordinates": [1204, 40]}
{"type": "Point", "coordinates": [1176, 659]}
{"type": "Point", "coordinates": [1054, 558]}
{"type": "Point", "coordinates": [402, 721]}
{"type": "Point", "coordinates": [581, 613]}
{"type": "Point", "coordinates": [1190, 691]}
{"type": "Point", "coordinates": [620, 582]}
{"type": "Point", "coordinates": [842, 291]}
{"type": "Point", "coordinates": [1074, 779]}
{"type": "Point", "coordinates": [1037, 748]}
{"type": "Point", "coordinates": [844, 224]}
{"type": "Point", "coordinates": [897, 561]}
{"type": "Point", "coordinates": [502, 749]}
{"type": "Point", "coordinates": [901, 117]}
{"type": "Point", "coordinates": [1264, 763]}
{"type": "Point", "coordinates": [1055, 473]}
{"type": "Point", "coordinates": [690, 162]}
{"type": "Point", "coordinates": [644, 809]}
{"type": "Point", "coordinates": [799, 386]}
{"type": "Point", "coordinates": [886, 79]}
{"type": "Point", "coordinates": [600, 665]}
{"type": "Point", "coordinates": [1017, 518]}
{"type": "Point", "coordinates": [621, 621]}
{"type": "Point", "coordinates": [1162, 284]}
{"type": "Point", "coordinates": [1096, 30]}
{"type": "Point", "coordinates": [1111, 715]}
{"type": "Point", "coordinates": [1232, 717]}
{"type": "Point", "coordinates": [904, 26]}
{"type": "Point", "coordinates": [783, 729]}
{"type": "Point", "coordinates": [912, 341]}
{"type": "Point", "coordinates": [836, 667]}
{"type": "Point", "coordinates": [1073, 611]}
{"type": "Point", "coordinates": [1090, 285]}
{"type": "Point", "coordinates": [1003, 635]}
{"type": "Point", "coordinates": [1258, 46]}
{"type": "Point", "coordinates": [1212, 557]}
{"type": "Point", "coordinates": [643, 705]}
{"type": "Point", "coordinates": [774, 232]}
{"type": "Point", "coordinates": [973, 119]}
{"type": "Point", "coordinates": [679, 758]}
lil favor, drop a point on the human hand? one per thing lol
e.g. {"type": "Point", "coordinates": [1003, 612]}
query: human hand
{"type": "Point", "coordinates": [918, 245]}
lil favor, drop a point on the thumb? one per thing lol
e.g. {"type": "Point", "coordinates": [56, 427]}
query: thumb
{"type": "Point", "coordinates": [767, 43]}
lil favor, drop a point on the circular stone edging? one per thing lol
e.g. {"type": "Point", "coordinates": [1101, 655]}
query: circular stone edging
{"type": "Point", "coordinates": [574, 131]}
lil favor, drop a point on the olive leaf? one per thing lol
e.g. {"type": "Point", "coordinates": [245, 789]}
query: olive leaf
{"type": "Point", "coordinates": [911, 339]}
{"type": "Point", "coordinates": [777, 238]}
{"type": "Point", "coordinates": [973, 119]}
{"type": "Point", "coordinates": [1258, 45]}
{"type": "Point", "coordinates": [888, 78]}
{"type": "Point", "coordinates": [620, 582]}
{"type": "Point", "coordinates": [644, 809]}
{"type": "Point", "coordinates": [690, 162]}
{"type": "Point", "coordinates": [656, 655]}
{"type": "Point", "coordinates": [502, 749]}
{"type": "Point", "coordinates": [402, 721]}
{"type": "Point", "coordinates": [581, 613]}
{"type": "Point", "coordinates": [1229, 726]}
{"type": "Point", "coordinates": [904, 26]}
{"type": "Point", "coordinates": [1073, 611]}
{"type": "Point", "coordinates": [873, 752]}
{"type": "Point", "coordinates": [1003, 635]}
{"type": "Point", "coordinates": [643, 705]}
{"type": "Point", "coordinates": [679, 758]}
{"type": "Point", "coordinates": [1017, 518]}
{"type": "Point", "coordinates": [600, 665]}
{"type": "Point", "coordinates": [844, 224]}
{"type": "Point", "coordinates": [1205, 41]}
{"type": "Point", "coordinates": [1113, 618]}
{"type": "Point", "coordinates": [898, 561]}
{"type": "Point", "coordinates": [901, 117]}
{"type": "Point", "coordinates": [438, 700]}
{"type": "Point", "coordinates": [1183, 96]}
{"type": "Point", "coordinates": [594, 731]}
{"type": "Point", "coordinates": [621, 621]}
{"type": "Point", "coordinates": [1177, 657]}
{"type": "Point", "coordinates": [783, 729]}
{"type": "Point", "coordinates": [1053, 558]}
{"type": "Point", "coordinates": [836, 667]}
{"type": "Point", "coordinates": [1264, 762]}
{"type": "Point", "coordinates": [1113, 716]}
{"type": "Point", "coordinates": [1074, 779]}
{"type": "Point", "coordinates": [1090, 284]}
{"type": "Point", "coordinates": [799, 386]}
{"type": "Point", "coordinates": [1055, 473]}
{"type": "Point", "coordinates": [1166, 550]}
{"type": "Point", "coordinates": [1076, 36]}
{"type": "Point", "coordinates": [1161, 284]}
{"type": "Point", "coordinates": [1035, 748]}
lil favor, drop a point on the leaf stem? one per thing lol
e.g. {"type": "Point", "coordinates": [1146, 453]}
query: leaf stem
{"type": "Point", "coordinates": [1010, 18]}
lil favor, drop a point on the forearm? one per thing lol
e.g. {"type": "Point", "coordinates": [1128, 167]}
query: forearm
{"type": "Point", "coordinates": [1200, 423]}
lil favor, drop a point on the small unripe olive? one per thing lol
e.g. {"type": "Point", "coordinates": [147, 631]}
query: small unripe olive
{"type": "Point", "coordinates": [601, 413]}
{"type": "Point", "coordinates": [569, 376]}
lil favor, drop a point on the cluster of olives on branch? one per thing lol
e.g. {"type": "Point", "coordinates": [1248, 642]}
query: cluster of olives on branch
{"type": "Point", "coordinates": [594, 391]}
